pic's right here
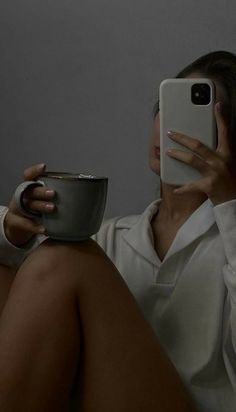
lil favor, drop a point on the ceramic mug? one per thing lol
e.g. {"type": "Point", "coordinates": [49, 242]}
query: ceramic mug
{"type": "Point", "coordinates": [80, 202]}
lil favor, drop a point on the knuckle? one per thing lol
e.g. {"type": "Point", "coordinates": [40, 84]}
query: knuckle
{"type": "Point", "coordinates": [192, 158]}
{"type": "Point", "coordinates": [33, 229]}
{"type": "Point", "coordinates": [180, 137]}
{"type": "Point", "coordinates": [196, 144]}
{"type": "Point", "coordinates": [35, 192]}
{"type": "Point", "coordinates": [39, 192]}
{"type": "Point", "coordinates": [31, 204]}
{"type": "Point", "coordinates": [30, 226]}
{"type": "Point", "coordinates": [30, 194]}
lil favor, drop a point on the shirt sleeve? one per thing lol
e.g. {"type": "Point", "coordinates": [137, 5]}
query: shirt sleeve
{"type": "Point", "coordinates": [11, 255]}
{"type": "Point", "coordinates": [225, 214]}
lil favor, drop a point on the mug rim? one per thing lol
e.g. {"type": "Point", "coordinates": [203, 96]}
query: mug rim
{"type": "Point", "coordinates": [72, 176]}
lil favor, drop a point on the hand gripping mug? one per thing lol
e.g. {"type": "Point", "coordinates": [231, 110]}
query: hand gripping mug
{"type": "Point", "coordinates": [80, 202]}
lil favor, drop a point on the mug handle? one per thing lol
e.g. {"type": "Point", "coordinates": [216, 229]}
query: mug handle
{"type": "Point", "coordinates": [19, 197]}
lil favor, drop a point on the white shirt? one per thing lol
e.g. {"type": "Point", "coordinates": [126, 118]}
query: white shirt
{"type": "Point", "coordinates": [189, 298]}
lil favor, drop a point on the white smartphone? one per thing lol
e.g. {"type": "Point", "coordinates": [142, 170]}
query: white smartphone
{"type": "Point", "coordinates": [187, 107]}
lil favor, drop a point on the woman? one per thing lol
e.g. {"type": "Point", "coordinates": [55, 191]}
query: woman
{"type": "Point", "coordinates": [68, 309]}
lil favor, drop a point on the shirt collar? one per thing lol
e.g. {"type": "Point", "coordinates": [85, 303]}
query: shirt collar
{"type": "Point", "coordinates": [196, 225]}
{"type": "Point", "coordinates": [140, 235]}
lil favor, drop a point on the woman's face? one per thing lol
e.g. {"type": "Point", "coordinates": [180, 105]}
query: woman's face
{"type": "Point", "coordinates": [154, 149]}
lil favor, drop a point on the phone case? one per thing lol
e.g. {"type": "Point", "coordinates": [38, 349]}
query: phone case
{"type": "Point", "coordinates": [178, 113]}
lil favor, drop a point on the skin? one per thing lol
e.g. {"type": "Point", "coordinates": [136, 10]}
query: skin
{"type": "Point", "coordinates": [69, 309]}
{"type": "Point", "coordinates": [20, 229]}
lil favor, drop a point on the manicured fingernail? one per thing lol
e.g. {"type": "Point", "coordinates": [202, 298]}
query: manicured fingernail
{"type": "Point", "coordinates": [170, 133]}
{"type": "Point", "coordinates": [49, 206]}
{"type": "Point", "coordinates": [41, 166]}
{"type": "Point", "coordinates": [50, 193]}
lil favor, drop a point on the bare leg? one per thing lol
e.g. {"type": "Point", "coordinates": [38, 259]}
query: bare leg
{"type": "Point", "coordinates": [67, 297]}
{"type": "Point", "coordinates": [39, 341]}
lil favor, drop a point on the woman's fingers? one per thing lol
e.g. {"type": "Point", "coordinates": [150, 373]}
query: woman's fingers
{"type": "Point", "coordinates": [19, 229]}
{"type": "Point", "coordinates": [40, 193]}
{"type": "Point", "coordinates": [39, 206]}
{"type": "Point", "coordinates": [200, 148]}
{"type": "Point", "coordinates": [193, 144]}
{"type": "Point", "coordinates": [38, 198]}
{"type": "Point", "coordinates": [33, 172]}
{"type": "Point", "coordinates": [197, 186]}
{"type": "Point", "coordinates": [191, 159]}
{"type": "Point", "coordinates": [215, 166]}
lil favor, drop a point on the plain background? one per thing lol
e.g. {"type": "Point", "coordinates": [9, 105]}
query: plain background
{"type": "Point", "coordinates": [78, 80]}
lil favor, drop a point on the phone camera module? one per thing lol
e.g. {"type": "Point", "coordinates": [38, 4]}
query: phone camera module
{"type": "Point", "coordinates": [201, 94]}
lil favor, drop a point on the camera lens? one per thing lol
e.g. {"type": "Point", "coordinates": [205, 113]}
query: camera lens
{"type": "Point", "coordinates": [201, 94]}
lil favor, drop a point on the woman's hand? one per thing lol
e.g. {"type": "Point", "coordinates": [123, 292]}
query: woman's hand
{"type": "Point", "coordinates": [217, 167]}
{"type": "Point", "coordinates": [19, 229]}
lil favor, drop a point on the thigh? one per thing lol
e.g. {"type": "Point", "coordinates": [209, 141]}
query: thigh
{"type": "Point", "coordinates": [39, 338]}
{"type": "Point", "coordinates": [123, 366]}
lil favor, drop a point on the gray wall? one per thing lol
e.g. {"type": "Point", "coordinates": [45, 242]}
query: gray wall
{"type": "Point", "coordinates": [78, 80]}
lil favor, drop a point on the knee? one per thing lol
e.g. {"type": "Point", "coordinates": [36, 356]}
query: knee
{"type": "Point", "coordinates": [53, 259]}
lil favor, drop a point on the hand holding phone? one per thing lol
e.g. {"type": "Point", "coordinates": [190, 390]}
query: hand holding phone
{"type": "Point", "coordinates": [186, 107]}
